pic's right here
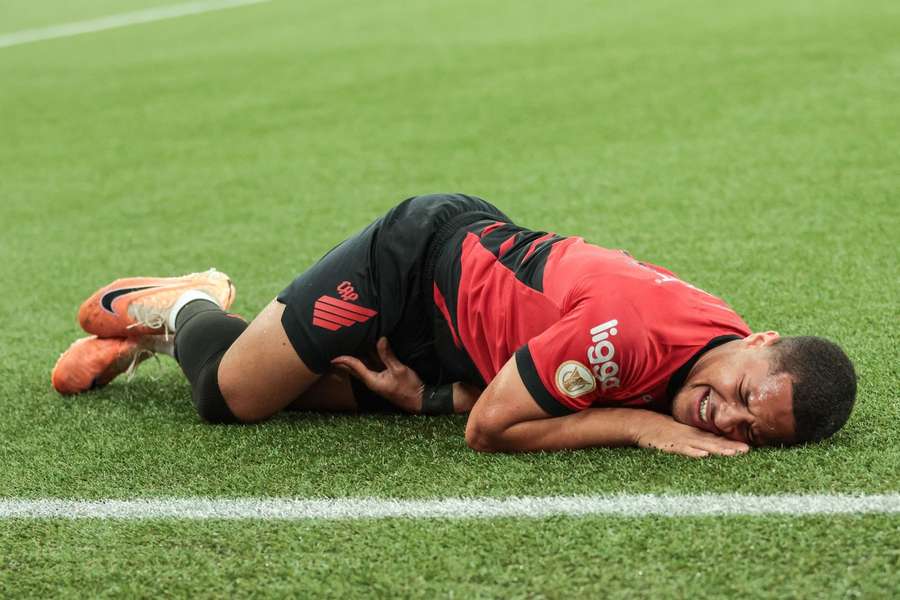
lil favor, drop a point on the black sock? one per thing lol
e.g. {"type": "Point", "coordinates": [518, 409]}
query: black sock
{"type": "Point", "coordinates": [203, 333]}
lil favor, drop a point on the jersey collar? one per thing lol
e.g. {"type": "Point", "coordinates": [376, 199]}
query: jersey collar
{"type": "Point", "coordinates": [678, 377]}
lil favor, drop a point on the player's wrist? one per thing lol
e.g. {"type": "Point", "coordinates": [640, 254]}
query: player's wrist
{"type": "Point", "coordinates": [464, 397]}
{"type": "Point", "coordinates": [437, 399]}
{"type": "Point", "coordinates": [644, 424]}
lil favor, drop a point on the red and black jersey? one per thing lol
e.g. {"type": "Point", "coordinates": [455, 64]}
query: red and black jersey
{"type": "Point", "coordinates": [587, 325]}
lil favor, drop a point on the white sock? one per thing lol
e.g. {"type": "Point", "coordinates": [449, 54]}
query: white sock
{"type": "Point", "coordinates": [188, 296]}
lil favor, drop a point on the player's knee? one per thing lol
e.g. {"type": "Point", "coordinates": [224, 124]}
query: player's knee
{"type": "Point", "coordinates": [239, 397]}
{"type": "Point", "coordinates": [233, 398]}
{"type": "Point", "coordinates": [208, 398]}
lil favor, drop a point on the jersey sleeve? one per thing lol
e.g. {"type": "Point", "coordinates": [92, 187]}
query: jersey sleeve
{"type": "Point", "coordinates": [575, 362]}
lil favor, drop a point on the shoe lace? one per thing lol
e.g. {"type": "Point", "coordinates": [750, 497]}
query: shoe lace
{"type": "Point", "coordinates": [148, 316]}
{"type": "Point", "coordinates": [139, 356]}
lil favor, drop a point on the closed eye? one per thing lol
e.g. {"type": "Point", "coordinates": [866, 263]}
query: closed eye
{"type": "Point", "coordinates": [745, 400]}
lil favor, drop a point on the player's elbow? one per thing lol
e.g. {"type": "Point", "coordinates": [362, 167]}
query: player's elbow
{"type": "Point", "coordinates": [478, 441]}
{"type": "Point", "coordinates": [484, 433]}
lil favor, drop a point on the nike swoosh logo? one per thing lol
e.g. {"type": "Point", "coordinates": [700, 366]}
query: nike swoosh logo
{"type": "Point", "coordinates": [108, 298]}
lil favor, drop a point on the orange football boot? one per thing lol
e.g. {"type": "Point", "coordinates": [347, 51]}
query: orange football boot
{"type": "Point", "coordinates": [140, 305]}
{"type": "Point", "coordinates": [93, 362]}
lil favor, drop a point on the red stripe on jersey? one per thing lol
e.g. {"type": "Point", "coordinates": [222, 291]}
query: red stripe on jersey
{"type": "Point", "coordinates": [496, 313]}
{"type": "Point", "coordinates": [507, 244]}
{"type": "Point", "coordinates": [442, 306]}
{"type": "Point", "coordinates": [321, 306]}
{"type": "Point", "coordinates": [490, 228]}
{"type": "Point", "coordinates": [320, 314]}
{"type": "Point", "coordinates": [534, 244]}
{"type": "Point", "coordinates": [368, 312]}
{"type": "Point", "coordinates": [325, 324]}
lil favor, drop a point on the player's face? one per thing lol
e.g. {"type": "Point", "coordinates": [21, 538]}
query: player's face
{"type": "Point", "coordinates": [730, 392]}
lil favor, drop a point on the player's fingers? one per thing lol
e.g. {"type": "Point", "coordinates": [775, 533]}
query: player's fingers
{"type": "Point", "coordinates": [387, 355]}
{"type": "Point", "coordinates": [356, 367]}
{"type": "Point", "coordinates": [710, 441]}
{"type": "Point", "coordinates": [695, 452]}
{"type": "Point", "coordinates": [742, 448]}
{"type": "Point", "coordinates": [685, 450]}
{"type": "Point", "coordinates": [343, 369]}
{"type": "Point", "coordinates": [736, 446]}
{"type": "Point", "coordinates": [722, 448]}
{"type": "Point", "coordinates": [722, 451]}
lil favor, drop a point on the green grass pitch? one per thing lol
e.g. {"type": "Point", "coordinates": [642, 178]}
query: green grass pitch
{"type": "Point", "coordinates": [750, 147]}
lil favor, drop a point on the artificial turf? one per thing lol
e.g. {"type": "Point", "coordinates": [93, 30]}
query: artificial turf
{"type": "Point", "coordinates": [750, 148]}
{"type": "Point", "coordinates": [784, 557]}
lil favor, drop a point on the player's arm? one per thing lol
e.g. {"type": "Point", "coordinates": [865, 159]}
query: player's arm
{"type": "Point", "coordinates": [507, 419]}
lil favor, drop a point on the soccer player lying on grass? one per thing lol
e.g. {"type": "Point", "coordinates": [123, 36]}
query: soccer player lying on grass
{"type": "Point", "coordinates": [550, 342]}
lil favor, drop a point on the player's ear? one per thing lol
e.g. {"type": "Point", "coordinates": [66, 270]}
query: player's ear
{"type": "Point", "coordinates": [761, 338]}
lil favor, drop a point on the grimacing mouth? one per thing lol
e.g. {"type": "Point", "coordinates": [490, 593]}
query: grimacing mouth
{"type": "Point", "coordinates": [706, 411]}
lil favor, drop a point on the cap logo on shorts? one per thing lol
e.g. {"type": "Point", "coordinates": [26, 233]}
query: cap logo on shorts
{"type": "Point", "coordinates": [574, 379]}
{"type": "Point", "coordinates": [346, 291]}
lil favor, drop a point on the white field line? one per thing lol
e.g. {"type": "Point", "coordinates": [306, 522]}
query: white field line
{"type": "Point", "coordinates": [159, 13]}
{"type": "Point", "coordinates": [450, 508]}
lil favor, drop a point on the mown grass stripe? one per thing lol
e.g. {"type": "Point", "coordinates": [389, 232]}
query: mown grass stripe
{"type": "Point", "coordinates": [120, 20]}
{"type": "Point", "coordinates": [450, 508]}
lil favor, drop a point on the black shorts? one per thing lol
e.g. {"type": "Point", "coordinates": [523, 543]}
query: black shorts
{"type": "Point", "coordinates": [379, 283]}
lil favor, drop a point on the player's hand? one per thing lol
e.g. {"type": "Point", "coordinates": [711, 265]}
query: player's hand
{"type": "Point", "coordinates": [397, 383]}
{"type": "Point", "coordinates": [662, 432]}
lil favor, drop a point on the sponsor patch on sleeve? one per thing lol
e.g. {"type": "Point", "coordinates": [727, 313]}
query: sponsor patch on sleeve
{"type": "Point", "coordinates": [574, 379]}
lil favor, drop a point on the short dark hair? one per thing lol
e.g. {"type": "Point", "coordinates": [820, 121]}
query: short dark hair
{"type": "Point", "coordinates": [824, 384]}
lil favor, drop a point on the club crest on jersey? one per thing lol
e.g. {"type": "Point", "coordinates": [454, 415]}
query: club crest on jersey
{"type": "Point", "coordinates": [574, 379]}
{"type": "Point", "coordinates": [601, 355]}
